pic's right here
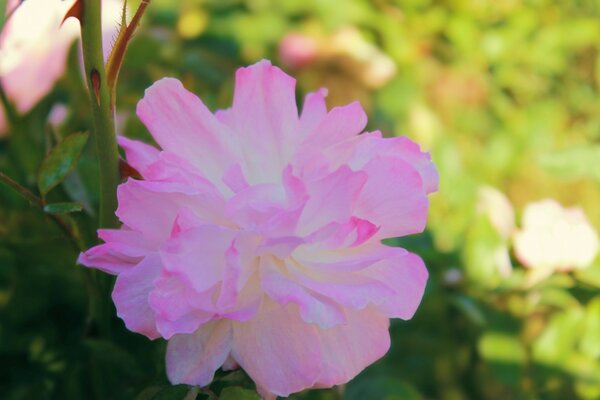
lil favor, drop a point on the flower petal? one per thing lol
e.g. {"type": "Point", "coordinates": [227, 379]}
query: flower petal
{"type": "Point", "coordinates": [130, 296]}
{"type": "Point", "coordinates": [339, 124]}
{"type": "Point", "coordinates": [393, 198]}
{"type": "Point", "coordinates": [151, 207]}
{"type": "Point", "coordinates": [313, 111]}
{"type": "Point", "coordinates": [193, 359]}
{"type": "Point", "coordinates": [284, 289]}
{"type": "Point", "coordinates": [139, 155]}
{"type": "Point", "coordinates": [407, 275]}
{"type": "Point", "coordinates": [197, 255]}
{"type": "Point", "coordinates": [265, 117]}
{"type": "Point", "coordinates": [350, 289]}
{"type": "Point", "coordinates": [372, 146]}
{"type": "Point", "coordinates": [349, 348]}
{"type": "Point", "coordinates": [331, 199]}
{"type": "Point", "coordinates": [279, 351]}
{"type": "Point", "coordinates": [174, 314]}
{"type": "Point", "coordinates": [181, 123]}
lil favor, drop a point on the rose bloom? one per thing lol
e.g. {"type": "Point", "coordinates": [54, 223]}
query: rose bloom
{"type": "Point", "coordinates": [555, 238]}
{"type": "Point", "coordinates": [34, 48]}
{"type": "Point", "coordinates": [254, 238]}
{"type": "Point", "coordinates": [346, 50]}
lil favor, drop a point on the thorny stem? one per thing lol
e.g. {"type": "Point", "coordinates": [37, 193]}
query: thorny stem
{"type": "Point", "coordinates": [102, 114]}
{"type": "Point", "coordinates": [117, 54]}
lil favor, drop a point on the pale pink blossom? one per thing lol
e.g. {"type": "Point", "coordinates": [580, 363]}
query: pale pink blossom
{"type": "Point", "coordinates": [555, 238]}
{"type": "Point", "coordinates": [346, 47]}
{"type": "Point", "coordinates": [297, 50]}
{"type": "Point", "coordinates": [254, 238]}
{"type": "Point", "coordinates": [498, 209]}
{"type": "Point", "coordinates": [34, 47]}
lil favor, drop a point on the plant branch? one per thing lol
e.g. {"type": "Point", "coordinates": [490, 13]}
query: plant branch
{"type": "Point", "coordinates": [117, 53]}
{"type": "Point", "coordinates": [192, 394]}
{"type": "Point", "coordinates": [37, 201]}
{"type": "Point", "coordinates": [102, 114]}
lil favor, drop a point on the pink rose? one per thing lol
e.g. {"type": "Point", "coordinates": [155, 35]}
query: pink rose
{"type": "Point", "coordinates": [34, 48]}
{"type": "Point", "coordinates": [296, 50]}
{"type": "Point", "coordinates": [254, 238]}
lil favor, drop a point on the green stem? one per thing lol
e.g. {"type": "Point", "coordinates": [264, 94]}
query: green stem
{"type": "Point", "coordinates": [9, 108]}
{"type": "Point", "coordinates": [192, 394]}
{"type": "Point", "coordinates": [102, 114]}
{"type": "Point", "coordinates": [90, 16]}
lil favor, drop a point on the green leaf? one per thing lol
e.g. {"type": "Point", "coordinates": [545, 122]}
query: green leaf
{"type": "Point", "coordinates": [590, 342]}
{"type": "Point", "coordinates": [2, 12]}
{"type": "Point", "coordinates": [469, 308]}
{"type": "Point", "coordinates": [115, 358]}
{"type": "Point", "coordinates": [62, 208]}
{"type": "Point", "coordinates": [504, 354]}
{"type": "Point", "coordinates": [238, 393]}
{"type": "Point", "coordinates": [60, 161]}
{"type": "Point", "coordinates": [177, 392]}
{"type": "Point", "coordinates": [381, 387]}
{"type": "Point", "coordinates": [576, 162]}
{"type": "Point", "coordinates": [590, 275]}
{"type": "Point", "coordinates": [558, 340]}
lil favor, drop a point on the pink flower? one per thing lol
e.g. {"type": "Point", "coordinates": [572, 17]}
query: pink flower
{"type": "Point", "coordinates": [296, 50]}
{"type": "Point", "coordinates": [254, 238]}
{"type": "Point", "coordinates": [555, 238]}
{"type": "Point", "coordinates": [34, 47]}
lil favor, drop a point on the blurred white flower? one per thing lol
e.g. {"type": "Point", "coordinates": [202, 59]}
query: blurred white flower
{"type": "Point", "coordinates": [34, 45]}
{"type": "Point", "coordinates": [497, 207]}
{"type": "Point", "coordinates": [499, 210]}
{"type": "Point", "coordinates": [555, 238]}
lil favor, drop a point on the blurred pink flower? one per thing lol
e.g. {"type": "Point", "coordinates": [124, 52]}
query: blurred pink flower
{"type": "Point", "coordinates": [254, 238]}
{"type": "Point", "coordinates": [555, 238]}
{"type": "Point", "coordinates": [296, 50]}
{"type": "Point", "coordinates": [34, 48]}
{"type": "Point", "coordinates": [346, 47]}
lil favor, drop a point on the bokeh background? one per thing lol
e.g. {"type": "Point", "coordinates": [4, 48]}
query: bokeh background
{"type": "Point", "coordinates": [505, 95]}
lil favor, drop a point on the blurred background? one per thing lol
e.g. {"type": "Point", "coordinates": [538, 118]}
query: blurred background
{"type": "Point", "coordinates": [505, 96]}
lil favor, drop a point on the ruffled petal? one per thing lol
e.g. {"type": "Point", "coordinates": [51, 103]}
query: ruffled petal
{"type": "Point", "coordinates": [139, 155]}
{"type": "Point", "coordinates": [130, 296]}
{"type": "Point", "coordinates": [193, 359]}
{"type": "Point", "coordinates": [339, 124]}
{"type": "Point", "coordinates": [407, 276]}
{"type": "Point", "coordinates": [181, 123]}
{"type": "Point", "coordinates": [151, 207]}
{"type": "Point", "coordinates": [331, 199]}
{"type": "Point", "coordinates": [373, 146]}
{"type": "Point", "coordinates": [279, 351]}
{"type": "Point", "coordinates": [283, 288]}
{"type": "Point", "coordinates": [350, 289]}
{"type": "Point", "coordinates": [393, 198]}
{"type": "Point", "coordinates": [313, 111]}
{"type": "Point", "coordinates": [197, 255]}
{"type": "Point", "coordinates": [174, 314]}
{"type": "Point", "coordinates": [265, 118]}
{"type": "Point", "coordinates": [349, 348]}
